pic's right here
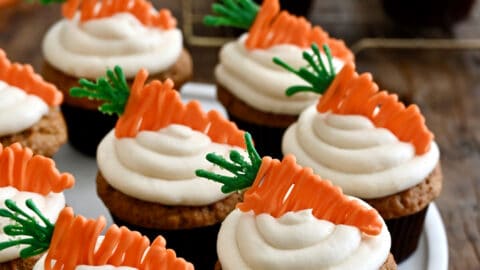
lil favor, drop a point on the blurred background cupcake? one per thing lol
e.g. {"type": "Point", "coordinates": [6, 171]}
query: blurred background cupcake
{"type": "Point", "coordinates": [98, 35]}
{"type": "Point", "coordinates": [29, 109]}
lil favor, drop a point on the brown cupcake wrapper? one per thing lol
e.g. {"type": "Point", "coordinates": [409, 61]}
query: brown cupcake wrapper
{"type": "Point", "coordinates": [196, 245]}
{"type": "Point", "coordinates": [405, 232]}
{"type": "Point", "coordinates": [268, 140]}
{"type": "Point", "coordinates": [86, 128]}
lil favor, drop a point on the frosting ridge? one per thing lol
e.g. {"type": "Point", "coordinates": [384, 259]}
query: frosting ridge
{"type": "Point", "coordinates": [86, 49]}
{"type": "Point", "coordinates": [19, 110]}
{"type": "Point", "coordinates": [297, 240]}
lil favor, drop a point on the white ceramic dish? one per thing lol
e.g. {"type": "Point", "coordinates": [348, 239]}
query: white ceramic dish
{"type": "Point", "coordinates": [432, 253]}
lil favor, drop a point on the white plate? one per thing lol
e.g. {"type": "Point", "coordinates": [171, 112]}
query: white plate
{"type": "Point", "coordinates": [431, 254]}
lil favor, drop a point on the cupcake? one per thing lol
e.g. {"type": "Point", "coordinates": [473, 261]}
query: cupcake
{"type": "Point", "coordinates": [99, 35]}
{"type": "Point", "coordinates": [249, 85]}
{"type": "Point", "coordinates": [373, 147]}
{"type": "Point", "coordinates": [147, 165]}
{"type": "Point", "coordinates": [30, 109]}
{"type": "Point", "coordinates": [74, 242]}
{"type": "Point", "coordinates": [293, 219]}
{"type": "Point", "coordinates": [26, 176]}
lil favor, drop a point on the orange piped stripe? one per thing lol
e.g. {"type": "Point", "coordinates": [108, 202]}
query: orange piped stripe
{"type": "Point", "coordinates": [23, 77]}
{"type": "Point", "coordinates": [141, 9]}
{"type": "Point", "coordinates": [156, 105]}
{"type": "Point", "coordinates": [75, 237]}
{"type": "Point", "coordinates": [273, 27]}
{"type": "Point", "coordinates": [275, 179]}
{"type": "Point", "coordinates": [351, 93]}
{"type": "Point", "coordinates": [20, 169]}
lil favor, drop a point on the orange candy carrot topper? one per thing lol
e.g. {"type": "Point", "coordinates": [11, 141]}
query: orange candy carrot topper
{"type": "Point", "coordinates": [153, 106]}
{"type": "Point", "coordinates": [21, 169]}
{"type": "Point", "coordinates": [278, 187]}
{"type": "Point", "coordinates": [350, 93]}
{"type": "Point", "coordinates": [269, 26]}
{"type": "Point", "coordinates": [96, 9]}
{"type": "Point", "coordinates": [23, 77]}
{"type": "Point", "coordinates": [72, 241]}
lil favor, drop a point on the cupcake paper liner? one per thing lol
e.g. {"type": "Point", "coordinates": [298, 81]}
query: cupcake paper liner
{"type": "Point", "coordinates": [196, 245]}
{"type": "Point", "coordinates": [86, 128]}
{"type": "Point", "coordinates": [405, 232]}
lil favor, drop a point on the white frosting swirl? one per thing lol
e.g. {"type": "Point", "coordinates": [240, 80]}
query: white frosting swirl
{"type": "Point", "coordinates": [50, 206]}
{"type": "Point", "coordinates": [297, 240]}
{"type": "Point", "coordinates": [366, 161]}
{"type": "Point", "coordinates": [255, 79]}
{"type": "Point", "coordinates": [86, 49]}
{"type": "Point", "coordinates": [159, 166]}
{"type": "Point", "coordinates": [18, 110]}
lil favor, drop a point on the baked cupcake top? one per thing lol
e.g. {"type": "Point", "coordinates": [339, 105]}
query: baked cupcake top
{"type": "Point", "coordinates": [246, 67]}
{"type": "Point", "coordinates": [24, 96]}
{"type": "Point", "coordinates": [159, 141]}
{"type": "Point", "coordinates": [74, 242]}
{"type": "Point", "coordinates": [292, 219]}
{"type": "Point", "coordinates": [26, 176]}
{"type": "Point", "coordinates": [365, 140]}
{"type": "Point", "coordinates": [95, 35]}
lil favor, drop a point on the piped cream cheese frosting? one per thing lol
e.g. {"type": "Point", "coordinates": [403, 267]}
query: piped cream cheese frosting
{"type": "Point", "coordinates": [19, 110]}
{"type": "Point", "coordinates": [159, 166]}
{"type": "Point", "coordinates": [364, 160]}
{"type": "Point", "coordinates": [86, 49]}
{"type": "Point", "coordinates": [252, 76]}
{"type": "Point", "coordinates": [297, 240]}
{"type": "Point", "coordinates": [49, 205]}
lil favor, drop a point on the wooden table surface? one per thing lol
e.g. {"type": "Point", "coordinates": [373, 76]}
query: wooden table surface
{"type": "Point", "coordinates": [444, 83]}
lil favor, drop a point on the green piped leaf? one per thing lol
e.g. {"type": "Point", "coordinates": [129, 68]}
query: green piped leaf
{"type": "Point", "coordinates": [112, 89]}
{"type": "Point", "coordinates": [36, 236]}
{"type": "Point", "coordinates": [244, 171]}
{"type": "Point", "coordinates": [317, 73]}
{"type": "Point", "coordinates": [233, 13]}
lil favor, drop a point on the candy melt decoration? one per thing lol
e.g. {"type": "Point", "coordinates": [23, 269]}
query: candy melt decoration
{"type": "Point", "coordinates": [156, 105]}
{"type": "Point", "coordinates": [74, 243]}
{"type": "Point", "coordinates": [274, 27]}
{"type": "Point", "coordinates": [235, 13]}
{"type": "Point", "coordinates": [19, 168]}
{"type": "Point", "coordinates": [351, 93]}
{"type": "Point", "coordinates": [24, 77]}
{"type": "Point", "coordinates": [282, 187]}
{"type": "Point", "coordinates": [143, 10]}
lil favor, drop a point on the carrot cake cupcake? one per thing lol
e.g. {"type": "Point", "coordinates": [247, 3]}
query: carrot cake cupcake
{"type": "Point", "coordinates": [249, 85]}
{"type": "Point", "coordinates": [29, 109]}
{"type": "Point", "coordinates": [373, 147]}
{"type": "Point", "coordinates": [95, 35]}
{"type": "Point", "coordinates": [74, 242]}
{"type": "Point", "coordinates": [292, 219]}
{"type": "Point", "coordinates": [23, 176]}
{"type": "Point", "coordinates": [147, 165]}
